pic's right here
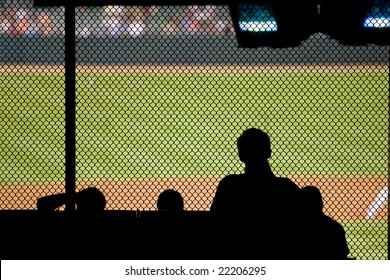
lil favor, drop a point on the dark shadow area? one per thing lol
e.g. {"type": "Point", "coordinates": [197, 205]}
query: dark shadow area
{"type": "Point", "coordinates": [110, 235]}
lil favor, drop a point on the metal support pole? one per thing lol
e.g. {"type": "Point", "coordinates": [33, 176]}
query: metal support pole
{"type": "Point", "coordinates": [70, 108]}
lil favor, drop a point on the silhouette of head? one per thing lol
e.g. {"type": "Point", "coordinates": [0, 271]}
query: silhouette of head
{"type": "Point", "coordinates": [90, 200]}
{"type": "Point", "coordinates": [311, 200]}
{"type": "Point", "coordinates": [254, 146]}
{"type": "Point", "coordinates": [170, 200]}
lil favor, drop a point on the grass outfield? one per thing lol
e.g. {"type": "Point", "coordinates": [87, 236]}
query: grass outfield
{"type": "Point", "coordinates": [132, 125]}
{"type": "Point", "coordinates": [367, 240]}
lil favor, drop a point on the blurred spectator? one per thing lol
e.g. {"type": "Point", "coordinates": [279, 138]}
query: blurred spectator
{"type": "Point", "coordinates": [5, 23]}
{"type": "Point", "coordinates": [135, 18]}
{"type": "Point", "coordinates": [113, 21]}
{"type": "Point", "coordinates": [19, 20]}
{"type": "Point", "coordinates": [45, 24]}
{"type": "Point", "coordinates": [205, 15]}
{"type": "Point", "coordinates": [83, 25]}
{"type": "Point", "coordinates": [224, 27]}
{"type": "Point", "coordinates": [172, 26]}
{"type": "Point", "coordinates": [22, 18]}
{"type": "Point", "coordinates": [190, 20]}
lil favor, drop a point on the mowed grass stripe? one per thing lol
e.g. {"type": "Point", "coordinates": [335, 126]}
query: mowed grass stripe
{"type": "Point", "coordinates": [367, 240]}
{"type": "Point", "coordinates": [32, 127]}
{"type": "Point", "coordinates": [159, 125]}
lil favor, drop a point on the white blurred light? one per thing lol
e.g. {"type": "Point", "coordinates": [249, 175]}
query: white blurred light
{"type": "Point", "coordinates": [377, 22]}
{"type": "Point", "coordinates": [258, 26]}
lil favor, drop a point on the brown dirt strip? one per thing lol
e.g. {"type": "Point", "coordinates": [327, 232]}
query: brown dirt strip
{"type": "Point", "coordinates": [198, 68]}
{"type": "Point", "coordinates": [345, 197]}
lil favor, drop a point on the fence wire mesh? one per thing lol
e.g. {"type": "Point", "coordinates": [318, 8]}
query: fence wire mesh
{"type": "Point", "coordinates": [163, 92]}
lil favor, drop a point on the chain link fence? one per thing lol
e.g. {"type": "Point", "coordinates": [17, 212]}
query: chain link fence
{"type": "Point", "coordinates": [162, 94]}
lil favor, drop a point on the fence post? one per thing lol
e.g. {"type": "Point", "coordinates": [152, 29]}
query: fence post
{"type": "Point", "coordinates": [70, 107]}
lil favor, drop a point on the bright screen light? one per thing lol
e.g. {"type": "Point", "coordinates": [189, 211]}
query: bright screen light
{"type": "Point", "coordinates": [256, 18]}
{"type": "Point", "coordinates": [379, 15]}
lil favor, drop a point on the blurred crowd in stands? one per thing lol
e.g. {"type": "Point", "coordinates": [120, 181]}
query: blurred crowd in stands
{"type": "Point", "coordinates": [22, 18]}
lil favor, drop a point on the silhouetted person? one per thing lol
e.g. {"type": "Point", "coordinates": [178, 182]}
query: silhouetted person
{"type": "Point", "coordinates": [88, 200]}
{"type": "Point", "coordinates": [165, 230]}
{"type": "Point", "coordinates": [322, 237]}
{"type": "Point", "coordinates": [256, 213]}
{"type": "Point", "coordinates": [81, 231]}
{"type": "Point", "coordinates": [170, 200]}
{"type": "Point", "coordinates": [170, 207]}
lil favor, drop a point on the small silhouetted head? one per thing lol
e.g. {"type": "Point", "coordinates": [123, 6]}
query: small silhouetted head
{"type": "Point", "coordinates": [253, 146]}
{"type": "Point", "coordinates": [170, 200]}
{"type": "Point", "coordinates": [90, 200]}
{"type": "Point", "coordinates": [312, 200]}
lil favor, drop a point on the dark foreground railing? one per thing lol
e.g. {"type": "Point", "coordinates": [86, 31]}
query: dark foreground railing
{"type": "Point", "coordinates": [112, 235]}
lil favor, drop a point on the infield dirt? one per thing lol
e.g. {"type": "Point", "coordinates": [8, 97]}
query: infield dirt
{"type": "Point", "coordinates": [345, 197]}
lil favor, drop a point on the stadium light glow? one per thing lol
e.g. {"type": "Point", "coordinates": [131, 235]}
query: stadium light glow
{"type": "Point", "coordinates": [281, 23]}
{"type": "Point", "coordinates": [257, 17]}
{"type": "Point", "coordinates": [377, 22]}
{"type": "Point", "coordinates": [272, 23]}
{"type": "Point", "coordinates": [353, 22]}
{"type": "Point", "coordinates": [378, 15]}
{"type": "Point", "coordinates": [258, 26]}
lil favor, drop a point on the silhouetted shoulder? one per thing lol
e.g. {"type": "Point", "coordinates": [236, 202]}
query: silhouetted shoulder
{"type": "Point", "coordinates": [230, 182]}
{"type": "Point", "coordinates": [231, 178]}
{"type": "Point", "coordinates": [226, 193]}
{"type": "Point", "coordinates": [288, 192]}
{"type": "Point", "coordinates": [336, 234]}
{"type": "Point", "coordinates": [287, 183]}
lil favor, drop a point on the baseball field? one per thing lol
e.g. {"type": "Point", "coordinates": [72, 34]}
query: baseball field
{"type": "Point", "coordinates": [146, 128]}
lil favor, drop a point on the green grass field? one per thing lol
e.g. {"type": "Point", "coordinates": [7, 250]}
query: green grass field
{"type": "Point", "coordinates": [367, 240]}
{"type": "Point", "coordinates": [162, 125]}
{"type": "Point", "coordinates": [155, 125]}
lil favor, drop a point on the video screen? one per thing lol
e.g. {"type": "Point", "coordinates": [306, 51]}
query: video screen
{"type": "Point", "coordinates": [378, 15]}
{"type": "Point", "coordinates": [257, 18]}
